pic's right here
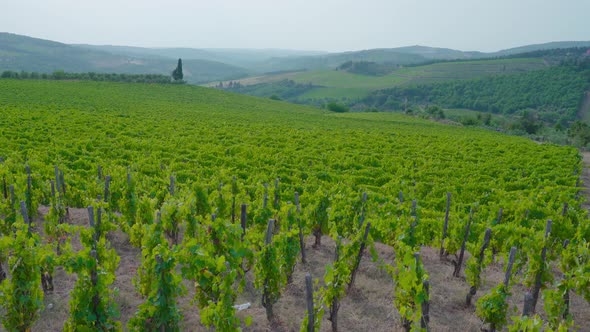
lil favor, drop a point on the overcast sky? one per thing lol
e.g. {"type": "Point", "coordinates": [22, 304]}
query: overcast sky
{"type": "Point", "coordinates": [330, 25]}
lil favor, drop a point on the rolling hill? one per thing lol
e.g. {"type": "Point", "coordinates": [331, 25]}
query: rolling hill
{"type": "Point", "coordinates": [401, 56]}
{"type": "Point", "coordinates": [170, 161]}
{"type": "Point", "coordinates": [246, 58]}
{"type": "Point", "coordinates": [31, 54]}
{"type": "Point", "coordinates": [341, 84]}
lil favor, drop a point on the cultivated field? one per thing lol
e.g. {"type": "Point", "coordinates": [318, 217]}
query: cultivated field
{"type": "Point", "coordinates": [168, 167]}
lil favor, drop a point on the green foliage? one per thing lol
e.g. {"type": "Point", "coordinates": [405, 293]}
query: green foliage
{"type": "Point", "coordinates": [90, 76]}
{"type": "Point", "coordinates": [177, 74]}
{"type": "Point", "coordinates": [555, 90]}
{"type": "Point", "coordinates": [171, 218]}
{"type": "Point", "coordinates": [435, 112]}
{"type": "Point", "coordinates": [337, 108]}
{"type": "Point", "coordinates": [159, 312]}
{"type": "Point", "coordinates": [152, 236]}
{"type": "Point", "coordinates": [366, 68]}
{"type": "Point", "coordinates": [526, 324]}
{"type": "Point", "coordinates": [408, 278]}
{"type": "Point", "coordinates": [492, 307]}
{"type": "Point", "coordinates": [579, 133]}
{"type": "Point", "coordinates": [206, 137]}
{"type": "Point", "coordinates": [269, 275]}
{"type": "Point", "coordinates": [318, 312]}
{"type": "Point", "coordinates": [21, 294]}
{"type": "Point", "coordinates": [555, 308]}
{"type": "Point", "coordinates": [281, 90]}
{"type": "Point", "coordinates": [92, 305]}
{"type": "Point", "coordinates": [474, 265]}
{"type": "Point", "coordinates": [213, 260]}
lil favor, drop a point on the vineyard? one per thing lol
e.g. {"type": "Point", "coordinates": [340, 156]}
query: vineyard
{"type": "Point", "coordinates": [166, 208]}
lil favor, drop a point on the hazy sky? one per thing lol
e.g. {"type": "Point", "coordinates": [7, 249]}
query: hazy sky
{"type": "Point", "coordinates": [331, 25]}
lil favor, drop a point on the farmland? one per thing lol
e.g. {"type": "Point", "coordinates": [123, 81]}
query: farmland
{"type": "Point", "coordinates": [341, 84]}
{"type": "Point", "coordinates": [169, 168]}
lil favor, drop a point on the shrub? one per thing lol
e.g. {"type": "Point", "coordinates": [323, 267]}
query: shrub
{"type": "Point", "coordinates": [338, 108]}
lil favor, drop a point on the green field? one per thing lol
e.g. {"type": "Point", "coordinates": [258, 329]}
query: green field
{"type": "Point", "coordinates": [339, 84]}
{"type": "Point", "coordinates": [177, 154]}
{"type": "Point", "coordinates": [342, 84]}
{"type": "Point", "coordinates": [188, 129]}
{"type": "Point", "coordinates": [204, 134]}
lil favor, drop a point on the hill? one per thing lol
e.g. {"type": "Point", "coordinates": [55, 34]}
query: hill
{"type": "Point", "coordinates": [173, 163]}
{"type": "Point", "coordinates": [400, 56]}
{"type": "Point", "coordinates": [37, 55]}
{"type": "Point", "coordinates": [540, 47]}
{"type": "Point", "coordinates": [246, 58]}
{"type": "Point", "coordinates": [339, 84]}
{"type": "Point", "coordinates": [555, 94]}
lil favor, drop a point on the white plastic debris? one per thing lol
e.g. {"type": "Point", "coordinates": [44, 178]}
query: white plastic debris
{"type": "Point", "coordinates": [240, 307]}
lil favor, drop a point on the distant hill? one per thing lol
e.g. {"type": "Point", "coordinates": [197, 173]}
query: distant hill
{"type": "Point", "coordinates": [32, 54]}
{"type": "Point", "coordinates": [538, 47]}
{"type": "Point", "coordinates": [319, 85]}
{"type": "Point", "coordinates": [437, 53]}
{"type": "Point", "coordinates": [247, 58]}
{"type": "Point", "coordinates": [401, 56]}
{"type": "Point", "coordinates": [213, 65]}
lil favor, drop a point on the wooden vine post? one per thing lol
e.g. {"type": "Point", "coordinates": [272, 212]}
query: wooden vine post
{"type": "Point", "coordinates": [508, 273]}
{"type": "Point", "coordinates": [425, 306]}
{"type": "Point", "coordinates": [480, 257]}
{"type": "Point", "coordinates": [23, 211]}
{"type": "Point", "coordinates": [276, 194]}
{"type": "Point", "coordinates": [531, 297]}
{"type": "Point", "coordinates": [506, 283]}
{"type": "Point", "coordinates": [459, 262]}
{"type": "Point", "coordinates": [301, 239]}
{"type": "Point", "coordinates": [357, 262]}
{"type": "Point", "coordinates": [243, 219]}
{"type": "Point", "coordinates": [445, 226]}
{"type": "Point", "coordinates": [107, 188]}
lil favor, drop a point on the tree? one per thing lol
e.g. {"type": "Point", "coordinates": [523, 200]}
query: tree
{"type": "Point", "coordinates": [338, 108]}
{"type": "Point", "coordinates": [177, 73]}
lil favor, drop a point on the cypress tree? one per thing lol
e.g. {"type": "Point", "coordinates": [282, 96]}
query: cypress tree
{"type": "Point", "coordinates": [177, 73]}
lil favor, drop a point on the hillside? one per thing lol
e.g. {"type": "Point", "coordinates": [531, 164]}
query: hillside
{"type": "Point", "coordinates": [245, 58]}
{"type": "Point", "coordinates": [344, 85]}
{"type": "Point", "coordinates": [539, 47]}
{"type": "Point", "coordinates": [36, 55]}
{"type": "Point", "coordinates": [268, 61]}
{"type": "Point", "coordinates": [195, 154]}
{"type": "Point", "coordinates": [400, 56]}
{"type": "Point", "coordinates": [173, 163]}
{"type": "Point", "coordinates": [213, 65]}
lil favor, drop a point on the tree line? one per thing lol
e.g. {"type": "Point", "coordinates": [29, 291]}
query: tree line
{"type": "Point", "coordinates": [90, 76]}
